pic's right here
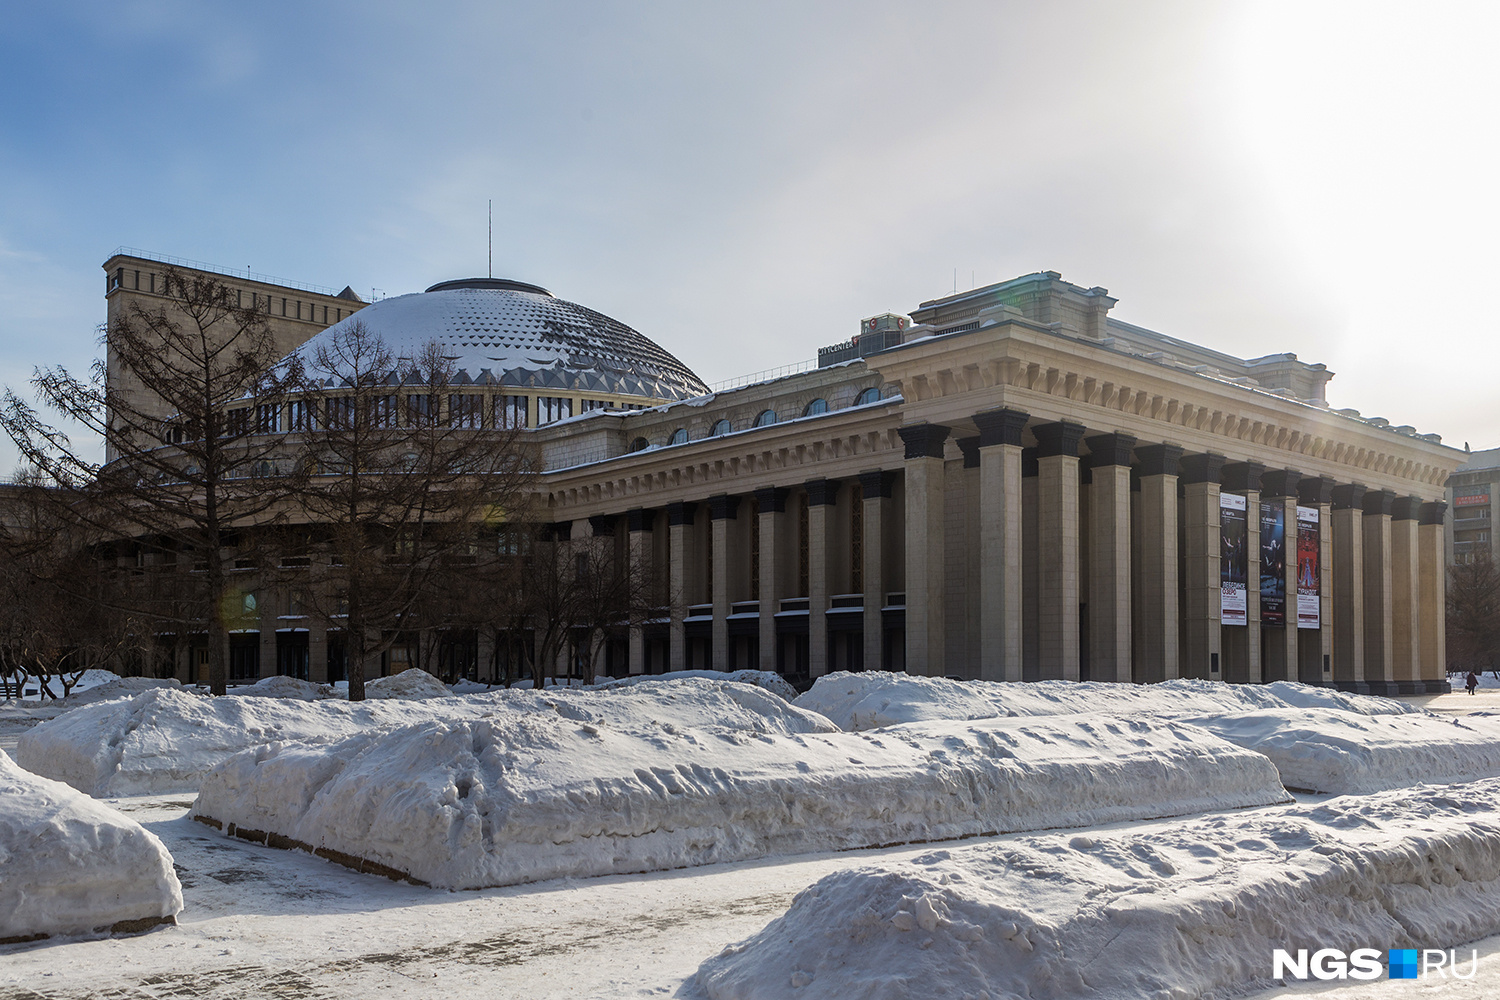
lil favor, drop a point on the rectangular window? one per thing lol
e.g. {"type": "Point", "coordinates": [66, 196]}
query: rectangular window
{"type": "Point", "coordinates": [268, 418]}
{"type": "Point", "coordinates": [466, 411]}
{"type": "Point", "coordinates": [510, 412]}
{"type": "Point", "coordinates": [383, 411]}
{"type": "Point", "coordinates": [237, 422]}
{"type": "Point", "coordinates": [304, 416]}
{"type": "Point", "coordinates": [421, 411]}
{"type": "Point", "coordinates": [340, 414]}
{"type": "Point", "coordinates": [589, 405]}
{"type": "Point", "coordinates": [550, 408]}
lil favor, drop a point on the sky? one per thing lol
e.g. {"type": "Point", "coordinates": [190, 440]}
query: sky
{"type": "Point", "coordinates": [743, 183]}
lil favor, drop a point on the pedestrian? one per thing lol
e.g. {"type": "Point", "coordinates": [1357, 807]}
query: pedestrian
{"type": "Point", "coordinates": [1471, 682]}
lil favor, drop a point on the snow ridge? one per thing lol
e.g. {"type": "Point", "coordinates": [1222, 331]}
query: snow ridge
{"type": "Point", "coordinates": [1178, 911]}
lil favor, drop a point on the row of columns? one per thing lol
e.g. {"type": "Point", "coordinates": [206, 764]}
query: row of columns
{"type": "Point", "coordinates": [1150, 522]}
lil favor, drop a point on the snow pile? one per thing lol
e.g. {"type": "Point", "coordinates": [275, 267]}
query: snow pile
{"type": "Point", "coordinates": [767, 679]}
{"type": "Point", "coordinates": [284, 687]}
{"type": "Point", "coordinates": [164, 740]}
{"type": "Point", "coordinates": [524, 797]}
{"type": "Point", "coordinates": [120, 687]}
{"type": "Point", "coordinates": [878, 698]}
{"type": "Point", "coordinates": [1177, 911]}
{"type": "Point", "coordinates": [70, 865]}
{"type": "Point", "coordinates": [413, 683]}
{"type": "Point", "coordinates": [466, 686]}
{"type": "Point", "coordinates": [1339, 753]}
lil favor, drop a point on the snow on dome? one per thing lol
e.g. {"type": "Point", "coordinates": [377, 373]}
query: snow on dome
{"type": "Point", "coordinates": [509, 333]}
{"type": "Point", "coordinates": [75, 866]}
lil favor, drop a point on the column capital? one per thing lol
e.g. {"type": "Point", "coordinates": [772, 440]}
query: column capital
{"type": "Point", "coordinates": [603, 525]}
{"type": "Point", "coordinates": [1432, 513]}
{"type": "Point", "coordinates": [875, 483]}
{"type": "Point", "coordinates": [1379, 502]}
{"type": "Point", "coordinates": [771, 499]}
{"type": "Point", "coordinates": [680, 513]}
{"type": "Point", "coordinates": [924, 440]}
{"type": "Point", "coordinates": [1406, 508]}
{"type": "Point", "coordinates": [1242, 477]}
{"type": "Point", "coordinates": [1201, 468]}
{"type": "Point", "coordinates": [822, 492]}
{"type": "Point", "coordinates": [1000, 427]}
{"type": "Point", "coordinates": [1280, 483]}
{"type": "Point", "coordinates": [1110, 449]}
{"type": "Point", "coordinates": [1349, 496]}
{"type": "Point", "coordinates": [640, 519]}
{"type": "Point", "coordinates": [723, 507]}
{"type": "Point", "coordinates": [1159, 459]}
{"type": "Point", "coordinates": [970, 447]}
{"type": "Point", "coordinates": [1315, 491]}
{"type": "Point", "coordinates": [1060, 438]}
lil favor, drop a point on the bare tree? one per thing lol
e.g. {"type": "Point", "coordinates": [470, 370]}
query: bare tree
{"type": "Point", "coordinates": [1474, 613]}
{"type": "Point", "coordinates": [406, 480]}
{"type": "Point", "coordinates": [189, 408]}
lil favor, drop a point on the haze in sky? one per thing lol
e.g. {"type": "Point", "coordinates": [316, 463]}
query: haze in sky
{"type": "Point", "coordinates": [742, 184]}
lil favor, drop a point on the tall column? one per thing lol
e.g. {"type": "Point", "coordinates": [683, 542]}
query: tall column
{"type": "Point", "coordinates": [875, 486]}
{"type": "Point", "coordinates": [1057, 541]}
{"type": "Point", "coordinates": [1000, 583]}
{"type": "Point", "coordinates": [1157, 655]}
{"type": "Point", "coordinates": [1379, 635]}
{"type": "Point", "coordinates": [1279, 641]}
{"type": "Point", "coordinates": [1432, 573]}
{"type": "Point", "coordinates": [1406, 596]}
{"type": "Point", "coordinates": [1203, 631]}
{"type": "Point", "coordinates": [683, 565]}
{"type": "Point", "coordinates": [640, 523]}
{"type": "Point", "coordinates": [963, 617]}
{"type": "Point", "coordinates": [1109, 595]}
{"type": "Point", "coordinates": [1315, 646]}
{"type": "Point", "coordinates": [925, 549]}
{"type": "Point", "coordinates": [1241, 644]}
{"type": "Point", "coordinates": [722, 509]}
{"type": "Point", "coordinates": [1349, 588]}
{"type": "Point", "coordinates": [1031, 656]}
{"type": "Point", "coordinates": [822, 502]}
{"type": "Point", "coordinates": [771, 501]}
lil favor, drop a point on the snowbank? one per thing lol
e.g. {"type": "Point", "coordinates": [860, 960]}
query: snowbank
{"type": "Point", "coordinates": [70, 865]}
{"type": "Point", "coordinates": [1177, 911]}
{"type": "Point", "coordinates": [1339, 753]}
{"type": "Point", "coordinates": [518, 798]}
{"type": "Point", "coordinates": [878, 698]}
{"type": "Point", "coordinates": [413, 683]}
{"type": "Point", "coordinates": [772, 682]}
{"type": "Point", "coordinates": [164, 740]}
{"type": "Point", "coordinates": [284, 687]}
{"type": "Point", "coordinates": [120, 687]}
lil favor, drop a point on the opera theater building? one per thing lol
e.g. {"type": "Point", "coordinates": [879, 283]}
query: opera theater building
{"type": "Point", "coordinates": [1007, 483]}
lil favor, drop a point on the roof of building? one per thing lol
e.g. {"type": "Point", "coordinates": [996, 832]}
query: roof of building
{"type": "Point", "coordinates": [1480, 460]}
{"type": "Point", "coordinates": [502, 332]}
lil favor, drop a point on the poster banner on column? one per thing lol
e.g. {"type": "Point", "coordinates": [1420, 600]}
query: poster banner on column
{"type": "Point", "coordinates": [1273, 564]}
{"type": "Point", "coordinates": [1233, 559]}
{"type": "Point", "coordinates": [1309, 573]}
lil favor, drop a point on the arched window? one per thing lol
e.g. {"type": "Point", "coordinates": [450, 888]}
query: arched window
{"type": "Point", "coordinates": [679, 436]}
{"type": "Point", "coordinates": [870, 395]}
{"type": "Point", "coordinates": [766, 418]}
{"type": "Point", "coordinates": [819, 405]}
{"type": "Point", "coordinates": [720, 429]}
{"type": "Point", "coordinates": [639, 444]}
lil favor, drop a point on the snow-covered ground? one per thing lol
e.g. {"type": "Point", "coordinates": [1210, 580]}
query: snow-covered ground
{"type": "Point", "coordinates": [877, 698]}
{"type": "Point", "coordinates": [772, 682]}
{"type": "Point", "coordinates": [164, 740]}
{"type": "Point", "coordinates": [519, 798]}
{"type": "Point", "coordinates": [1196, 909]}
{"type": "Point", "coordinates": [71, 865]}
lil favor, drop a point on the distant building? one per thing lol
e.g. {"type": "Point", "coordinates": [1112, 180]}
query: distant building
{"type": "Point", "coordinates": [1007, 483]}
{"type": "Point", "coordinates": [1473, 505]}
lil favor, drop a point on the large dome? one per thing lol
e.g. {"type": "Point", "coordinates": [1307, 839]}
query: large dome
{"type": "Point", "coordinates": [500, 332]}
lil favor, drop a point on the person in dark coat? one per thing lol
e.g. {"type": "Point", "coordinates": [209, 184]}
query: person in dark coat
{"type": "Point", "coordinates": [1472, 681]}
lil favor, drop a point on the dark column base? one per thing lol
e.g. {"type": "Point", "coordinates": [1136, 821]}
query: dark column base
{"type": "Point", "coordinates": [1387, 689]}
{"type": "Point", "coordinates": [1353, 687]}
{"type": "Point", "coordinates": [1437, 687]}
{"type": "Point", "coordinates": [1411, 687]}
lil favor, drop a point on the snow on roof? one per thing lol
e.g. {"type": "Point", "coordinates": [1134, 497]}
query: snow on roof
{"type": "Point", "coordinates": [500, 332]}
